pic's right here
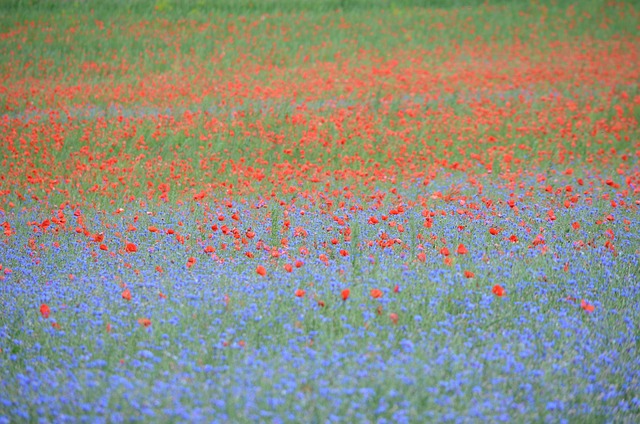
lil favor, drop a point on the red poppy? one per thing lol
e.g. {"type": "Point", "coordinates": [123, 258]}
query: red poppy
{"type": "Point", "coordinates": [394, 318]}
{"type": "Point", "coordinates": [261, 270]}
{"type": "Point", "coordinates": [462, 250]}
{"type": "Point", "coordinates": [104, 247]}
{"type": "Point", "coordinates": [126, 295]}
{"type": "Point", "coordinates": [587, 306]}
{"type": "Point", "coordinates": [376, 293]}
{"type": "Point", "coordinates": [191, 262]}
{"type": "Point", "coordinates": [345, 294]}
{"type": "Point", "coordinates": [344, 252]}
{"type": "Point", "coordinates": [153, 229]}
{"type": "Point", "coordinates": [146, 322]}
{"type": "Point", "coordinates": [131, 247]}
{"type": "Point", "coordinates": [422, 257]}
{"type": "Point", "coordinates": [469, 274]}
{"type": "Point", "coordinates": [45, 311]}
{"type": "Point", "coordinates": [288, 267]}
{"type": "Point", "coordinates": [444, 251]}
{"type": "Point", "coordinates": [396, 289]}
{"type": "Point", "coordinates": [300, 293]}
{"type": "Point", "coordinates": [498, 290]}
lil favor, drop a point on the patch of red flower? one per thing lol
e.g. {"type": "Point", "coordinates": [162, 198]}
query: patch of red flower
{"type": "Point", "coordinates": [587, 306]}
{"type": "Point", "coordinates": [45, 311]}
{"type": "Point", "coordinates": [126, 294]}
{"type": "Point", "coordinates": [498, 290]}
{"type": "Point", "coordinates": [145, 322]}
{"type": "Point", "coordinates": [345, 294]}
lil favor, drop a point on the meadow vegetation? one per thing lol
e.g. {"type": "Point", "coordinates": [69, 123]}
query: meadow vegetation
{"type": "Point", "coordinates": [319, 211]}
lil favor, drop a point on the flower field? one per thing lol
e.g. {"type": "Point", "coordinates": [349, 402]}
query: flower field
{"type": "Point", "coordinates": [331, 211]}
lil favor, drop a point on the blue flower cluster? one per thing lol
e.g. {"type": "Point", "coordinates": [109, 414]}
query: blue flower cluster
{"type": "Point", "coordinates": [216, 341]}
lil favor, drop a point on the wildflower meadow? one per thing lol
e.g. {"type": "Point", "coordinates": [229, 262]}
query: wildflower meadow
{"type": "Point", "coordinates": [319, 211]}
